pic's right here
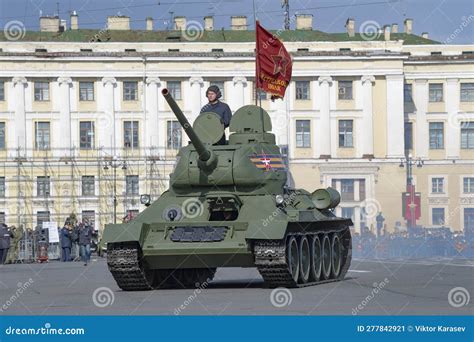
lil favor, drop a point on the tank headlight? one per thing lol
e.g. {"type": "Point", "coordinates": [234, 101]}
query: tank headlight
{"type": "Point", "coordinates": [145, 199]}
{"type": "Point", "coordinates": [279, 199]}
{"type": "Point", "coordinates": [172, 213]}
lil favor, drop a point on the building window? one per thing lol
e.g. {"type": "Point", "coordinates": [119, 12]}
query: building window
{"type": "Point", "coordinates": [303, 133]}
{"type": "Point", "coordinates": [42, 216]}
{"type": "Point", "coordinates": [467, 92]}
{"type": "Point", "coordinates": [2, 135]}
{"type": "Point", "coordinates": [130, 90]}
{"type": "Point", "coordinates": [467, 134]}
{"type": "Point", "coordinates": [130, 134]}
{"type": "Point", "coordinates": [361, 189]}
{"type": "Point", "coordinates": [408, 135]}
{"type": "Point", "coordinates": [348, 212]}
{"type": "Point", "coordinates": [437, 185]}
{"type": "Point", "coordinates": [407, 93]}
{"type": "Point", "coordinates": [174, 87]}
{"type": "Point", "coordinates": [345, 133]}
{"type": "Point", "coordinates": [174, 134]}
{"type": "Point", "coordinates": [436, 135]}
{"type": "Point", "coordinates": [2, 91]}
{"type": "Point", "coordinates": [436, 92]}
{"type": "Point", "coordinates": [347, 189]}
{"type": "Point", "coordinates": [345, 90]}
{"type": "Point", "coordinates": [468, 221]}
{"type": "Point", "coordinates": [88, 186]}
{"type": "Point", "coordinates": [221, 86]}
{"type": "Point", "coordinates": [88, 217]}
{"type": "Point", "coordinates": [302, 90]}
{"type": "Point", "coordinates": [2, 187]}
{"type": "Point", "coordinates": [2, 217]}
{"type": "Point", "coordinates": [41, 91]}
{"type": "Point", "coordinates": [42, 134]}
{"type": "Point", "coordinates": [42, 186]}
{"type": "Point", "coordinates": [468, 185]}
{"type": "Point", "coordinates": [437, 216]}
{"type": "Point", "coordinates": [131, 185]}
{"type": "Point", "coordinates": [86, 91]}
{"type": "Point", "coordinates": [86, 134]}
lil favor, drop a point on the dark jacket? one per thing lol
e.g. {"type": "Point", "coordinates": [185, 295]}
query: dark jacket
{"type": "Point", "coordinates": [221, 109]}
{"type": "Point", "coordinates": [5, 235]}
{"type": "Point", "coordinates": [65, 237]}
{"type": "Point", "coordinates": [85, 235]}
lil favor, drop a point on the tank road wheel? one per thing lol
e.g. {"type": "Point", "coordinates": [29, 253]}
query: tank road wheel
{"type": "Point", "coordinates": [292, 258]}
{"type": "Point", "coordinates": [316, 258]}
{"type": "Point", "coordinates": [304, 259]}
{"type": "Point", "coordinates": [336, 255]}
{"type": "Point", "coordinates": [326, 257]}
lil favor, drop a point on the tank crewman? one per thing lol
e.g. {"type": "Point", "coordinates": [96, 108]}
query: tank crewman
{"type": "Point", "coordinates": [5, 235]}
{"type": "Point", "coordinates": [213, 94]}
{"type": "Point", "coordinates": [14, 251]}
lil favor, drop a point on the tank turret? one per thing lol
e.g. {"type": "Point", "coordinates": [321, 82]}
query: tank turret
{"type": "Point", "coordinates": [207, 159]}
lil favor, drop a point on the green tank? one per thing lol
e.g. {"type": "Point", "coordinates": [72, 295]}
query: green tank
{"type": "Point", "coordinates": [228, 206]}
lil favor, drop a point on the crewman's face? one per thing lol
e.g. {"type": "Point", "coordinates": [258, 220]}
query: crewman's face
{"type": "Point", "coordinates": [211, 96]}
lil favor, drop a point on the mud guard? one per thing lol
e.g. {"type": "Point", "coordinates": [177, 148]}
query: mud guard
{"type": "Point", "coordinates": [126, 232]}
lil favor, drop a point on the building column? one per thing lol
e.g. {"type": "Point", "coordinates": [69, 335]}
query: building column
{"type": "Point", "coordinates": [239, 82]}
{"type": "Point", "coordinates": [367, 117]}
{"type": "Point", "coordinates": [420, 91]}
{"type": "Point", "coordinates": [453, 126]}
{"type": "Point", "coordinates": [19, 85]}
{"type": "Point", "coordinates": [152, 107]}
{"type": "Point", "coordinates": [325, 122]}
{"type": "Point", "coordinates": [65, 136]}
{"type": "Point", "coordinates": [395, 117]}
{"type": "Point", "coordinates": [196, 99]}
{"type": "Point", "coordinates": [106, 126]}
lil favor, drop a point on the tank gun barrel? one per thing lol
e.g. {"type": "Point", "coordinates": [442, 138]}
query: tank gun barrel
{"type": "Point", "coordinates": [203, 152]}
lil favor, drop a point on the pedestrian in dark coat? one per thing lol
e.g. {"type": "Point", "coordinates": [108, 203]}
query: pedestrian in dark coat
{"type": "Point", "coordinates": [5, 235]}
{"type": "Point", "coordinates": [85, 239]}
{"type": "Point", "coordinates": [65, 239]}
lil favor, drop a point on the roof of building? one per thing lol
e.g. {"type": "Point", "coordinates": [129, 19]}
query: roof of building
{"type": "Point", "coordinates": [87, 35]}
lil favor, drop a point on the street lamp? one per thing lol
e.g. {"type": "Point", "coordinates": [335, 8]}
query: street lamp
{"type": "Point", "coordinates": [410, 187]}
{"type": "Point", "coordinates": [114, 163]}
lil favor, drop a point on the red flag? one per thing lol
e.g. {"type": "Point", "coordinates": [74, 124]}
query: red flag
{"type": "Point", "coordinates": [274, 65]}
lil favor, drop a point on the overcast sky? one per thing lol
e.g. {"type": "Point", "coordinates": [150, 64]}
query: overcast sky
{"type": "Point", "coordinates": [441, 18]}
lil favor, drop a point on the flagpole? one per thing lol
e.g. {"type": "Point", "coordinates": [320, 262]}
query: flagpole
{"type": "Point", "coordinates": [256, 53]}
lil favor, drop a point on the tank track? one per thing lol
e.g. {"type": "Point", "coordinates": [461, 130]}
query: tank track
{"type": "Point", "coordinates": [271, 261]}
{"type": "Point", "coordinates": [124, 262]}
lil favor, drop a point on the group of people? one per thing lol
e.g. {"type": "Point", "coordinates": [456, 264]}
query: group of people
{"type": "Point", "coordinates": [9, 243]}
{"type": "Point", "coordinates": [420, 243]}
{"type": "Point", "coordinates": [80, 234]}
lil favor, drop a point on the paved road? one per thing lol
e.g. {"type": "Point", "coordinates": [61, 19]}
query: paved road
{"type": "Point", "coordinates": [393, 287]}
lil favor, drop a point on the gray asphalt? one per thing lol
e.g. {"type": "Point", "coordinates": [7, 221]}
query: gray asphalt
{"type": "Point", "coordinates": [395, 287]}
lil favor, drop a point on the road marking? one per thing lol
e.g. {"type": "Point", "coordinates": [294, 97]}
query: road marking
{"type": "Point", "coordinates": [360, 271]}
{"type": "Point", "coordinates": [408, 262]}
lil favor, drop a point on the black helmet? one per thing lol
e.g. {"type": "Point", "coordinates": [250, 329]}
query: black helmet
{"type": "Point", "coordinates": [214, 89]}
